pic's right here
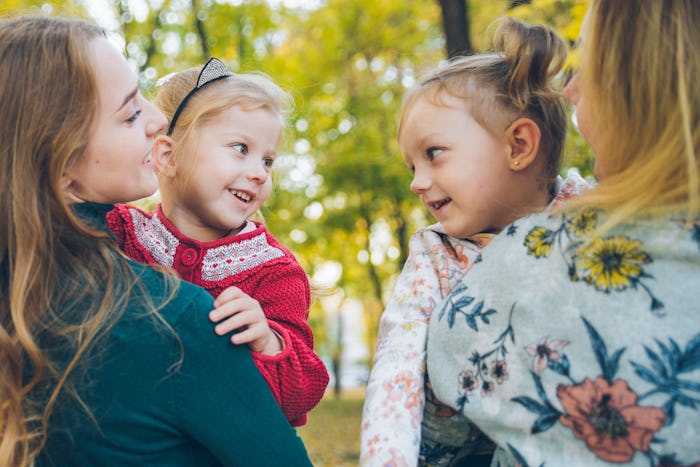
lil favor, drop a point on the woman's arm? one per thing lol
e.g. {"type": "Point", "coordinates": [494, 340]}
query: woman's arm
{"type": "Point", "coordinates": [224, 402]}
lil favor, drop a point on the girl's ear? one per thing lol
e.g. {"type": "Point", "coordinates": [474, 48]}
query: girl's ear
{"type": "Point", "coordinates": [163, 157]}
{"type": "Point", "coordinates": [523, 136]}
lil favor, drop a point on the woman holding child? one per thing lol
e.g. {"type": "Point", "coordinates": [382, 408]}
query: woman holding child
{"type": "Point", "coordinates": [103, 361]}
{"type": "Point", "coordinates": [576, 339]}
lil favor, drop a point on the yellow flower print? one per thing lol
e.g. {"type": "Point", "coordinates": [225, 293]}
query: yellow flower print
{"type": "Point", "coordinates": [539, 242]}
{"type": "Point", "coordinates": [583, 223]}
{"type": "Point", "coordinates": [613, 263]}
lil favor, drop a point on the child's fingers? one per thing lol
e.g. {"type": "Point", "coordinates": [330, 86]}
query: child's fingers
{"type": "Point", "coordinates": [252, 333]}
{"type": "Point", "coordinates": [228, 308]}
{"type": "Point", "coordinates": [230, 293]}
{"type": "Point", "coordinates": [236, 321]}
{"type": "Point", "coordinates": [239, 320]}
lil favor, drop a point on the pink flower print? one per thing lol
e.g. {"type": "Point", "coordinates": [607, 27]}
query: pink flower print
{"type": "Point", "coordinates": [426, 310]}
{"type": "Point", "coordinates": [461, 259]}
{"type": "Point", "coordinates": [499, 371]}
{"type": "Point", "coordinates": [605, 415]}
{"type": "Point", "coordinates": [402, 385]}
{"type": "Point", "coordinates": [397, 459]}
{"type": "Point", "coordinates": [412, 400]}
{"type": "Point", "coordinates": [444, 275]}
{"type": "Point", "coordinates": [467, 382]}
{"type": "Point", "coordinates": [545, 351]}
{"type": "Point", "coordinates": [486, 388]}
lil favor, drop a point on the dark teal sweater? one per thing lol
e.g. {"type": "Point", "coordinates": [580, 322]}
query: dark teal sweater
{"type": "Point", "coordinates": [214, 409]}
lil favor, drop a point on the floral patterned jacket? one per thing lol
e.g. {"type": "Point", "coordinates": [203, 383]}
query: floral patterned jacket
{"type": "Point", "coordinates": [568, 350]}
{"type": "Point", "coordinates": [395, 401]}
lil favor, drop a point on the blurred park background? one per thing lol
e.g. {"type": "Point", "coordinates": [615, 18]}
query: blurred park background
{"type": "Point", "coordinates": [342, 202]}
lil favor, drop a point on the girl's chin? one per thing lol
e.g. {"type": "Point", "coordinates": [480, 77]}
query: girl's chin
{"type": "Point", "coordinates": [452, 231]}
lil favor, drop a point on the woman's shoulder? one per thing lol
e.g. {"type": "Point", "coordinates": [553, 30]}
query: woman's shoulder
{"type": "Point", "coordinates": [173, 296]}
{"type": "Point", "coordinates": [538, 234]}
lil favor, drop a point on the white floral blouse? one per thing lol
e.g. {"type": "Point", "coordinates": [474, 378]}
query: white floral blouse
{"type": "Point", "coordinates": [395, 400]}
{"type": "Point", "coordinates": [568, 350]}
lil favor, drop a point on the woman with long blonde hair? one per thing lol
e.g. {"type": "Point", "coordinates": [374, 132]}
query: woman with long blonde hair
{"type": "Point", "coordinates": [576, 339]}
{"type": "Point", "coordinates": [103, 361]}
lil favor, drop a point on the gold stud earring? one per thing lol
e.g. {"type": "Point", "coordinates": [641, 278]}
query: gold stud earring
{"type": "Point", "coordinates": [516, 163]}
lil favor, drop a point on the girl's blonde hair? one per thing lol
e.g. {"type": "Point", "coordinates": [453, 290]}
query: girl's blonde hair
{"type": "Point", "coordinates": [516, 80]}
{"type": "Point", "coordinates": [639, 70]}
{"type": "Point", "coordinates": [248, 91]}
{"type": "Point", "coordinates": [62, 282]}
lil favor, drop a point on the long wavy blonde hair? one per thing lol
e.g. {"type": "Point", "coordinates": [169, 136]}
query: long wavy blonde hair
{"type": "Point", "coordinates": [62, 283]}
{"type": "Point", "coordinates": [639, 70]}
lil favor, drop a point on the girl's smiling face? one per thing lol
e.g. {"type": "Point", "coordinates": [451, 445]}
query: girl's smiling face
{"type": "Point", "coordinates": [116, 164]}
{"type": "Point", "coordinates": [225, 173]}
{"type": "Point", "coordinates": [460, 170]}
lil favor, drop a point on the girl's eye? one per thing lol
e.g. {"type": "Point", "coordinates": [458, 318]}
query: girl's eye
{"type": "Point", "coordinates": [134, 117]}
{"type": "Point", "coordinates": [241, 147]}
{"type": "Point", "coordinates": [268, 162]}
{"type": "Point", "coordinates": [432, 153]}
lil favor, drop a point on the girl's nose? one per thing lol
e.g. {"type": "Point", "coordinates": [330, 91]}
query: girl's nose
{"type": "Point", "coordinates": [258, 172]}
{"type": "Point", "coordinates": [420, 183]}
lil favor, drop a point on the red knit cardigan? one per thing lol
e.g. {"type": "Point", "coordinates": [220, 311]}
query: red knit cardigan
{"type": "Point", "coordinates": [259, 265]}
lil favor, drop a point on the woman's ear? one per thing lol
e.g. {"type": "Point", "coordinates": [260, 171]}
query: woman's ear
{"type": "Point", "coordinates": [163, 157]}
{"type": "Point", "coordinates": [523, 136]}
{"type": "Point", "coordinates": [67, 188]}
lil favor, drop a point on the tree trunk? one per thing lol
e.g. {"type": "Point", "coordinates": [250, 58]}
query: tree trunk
{"type": "Point", "coordinates": [455, 21]}
{"type": "Point", "coordinates": [337, 354]}
{"type": "Point", "coordinates": [201, 32]}
{"type": "Point", "coordinates": [515, 3]}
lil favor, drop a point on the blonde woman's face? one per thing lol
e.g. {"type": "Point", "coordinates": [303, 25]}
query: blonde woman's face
{"type": "Point", "coordinates": [574, 94]}
{"type": "Point", "coordinates": [116, 165]}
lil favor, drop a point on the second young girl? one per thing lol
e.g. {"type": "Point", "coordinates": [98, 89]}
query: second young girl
{"type": "Point", "coordinates": [484, 139]}
{"type": "Point", "coordinates": [214, 168]}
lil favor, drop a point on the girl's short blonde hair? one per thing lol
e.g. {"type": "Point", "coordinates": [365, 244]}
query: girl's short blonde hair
{"type": "Point", "coordinates": [517, 80]}
{"type": "Point", "coordinates": [248, 91]}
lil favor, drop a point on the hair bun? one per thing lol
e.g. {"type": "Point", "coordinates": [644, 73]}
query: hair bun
{"type": "Point", "coordinates": [533, 53]}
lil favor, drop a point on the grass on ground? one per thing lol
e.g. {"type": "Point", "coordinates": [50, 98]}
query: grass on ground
{"type": "Point", "coordinates": [332, 432]}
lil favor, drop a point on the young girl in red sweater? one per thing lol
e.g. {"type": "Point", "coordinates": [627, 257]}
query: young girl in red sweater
{"type": "Point", "coordinates": [214, 168]}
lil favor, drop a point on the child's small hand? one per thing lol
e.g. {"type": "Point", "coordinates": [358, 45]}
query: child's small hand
{"type": "Point", "coordinates": [239, 310]}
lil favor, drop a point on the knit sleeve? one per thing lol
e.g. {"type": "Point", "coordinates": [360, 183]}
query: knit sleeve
{"type": "Point", "coordinates": [118, 222]}
{"type": "Point", "coordinates": [297, 376]}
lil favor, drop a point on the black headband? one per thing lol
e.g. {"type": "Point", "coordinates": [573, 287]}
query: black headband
{"type": "Point", "coordinates": [212, 71]}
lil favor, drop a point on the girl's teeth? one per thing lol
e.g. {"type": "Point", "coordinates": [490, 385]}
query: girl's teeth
{"type": "Point", "coordinates": [243, 196]}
